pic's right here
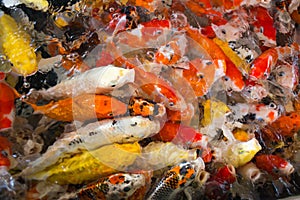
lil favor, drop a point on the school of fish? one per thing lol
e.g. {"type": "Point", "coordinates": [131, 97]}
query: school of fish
{"type": "Point", "coordinates": [156, 100]}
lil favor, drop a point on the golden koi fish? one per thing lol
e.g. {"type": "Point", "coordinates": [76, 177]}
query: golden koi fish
{"type": "Point", "coordinates": [90, 165]}
{"type": "Point", "coordinates": [16, 46]}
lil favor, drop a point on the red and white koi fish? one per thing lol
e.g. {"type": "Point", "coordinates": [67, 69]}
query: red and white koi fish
{"type": "Point", "coordinates": [117, 186]}
{"type": "Point", "coordinates": [182, 135]}
{"type": "Point", "coordinates": [176, 179]}
{"type": "Point", "coordinates": [95, 135]}
{"type": "Point", "coordinates": [7, 106]}
{"type": "Point", "coordinates": [274, 165]}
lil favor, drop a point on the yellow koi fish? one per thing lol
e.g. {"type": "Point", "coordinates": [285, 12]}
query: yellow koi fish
{"type": "Point", "coordinates": [90, 165]}
{"type": "Point", "coordinates": [16, 46]}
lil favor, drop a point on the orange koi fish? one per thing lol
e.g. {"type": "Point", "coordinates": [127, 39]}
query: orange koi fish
{"type": "Point", "coordinates": [234, 79]}
{"type": "Point", "coordinates": [263, 64]}
{"type": "Point", "coordinates": [181, 134]}
{"type": "Point", "coordinates": [82, 108]}
{"type": "Point", "coordinates": [274, 165]}
{"type": "Point", "coordinates": [7, 106]}
{"type": "Point", "coordinates": [117, 186]}
{"type": "Point", "coordinates": [176, 179]}
{"type": "Point", "coordinates": [5, 151]}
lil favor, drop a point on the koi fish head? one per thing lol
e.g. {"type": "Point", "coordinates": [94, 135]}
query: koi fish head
{"type": "Point", "coordinates": [286, 76]}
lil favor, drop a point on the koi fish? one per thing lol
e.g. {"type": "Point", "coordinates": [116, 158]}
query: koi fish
{"type": "Point", "coordinates": [182, 135]}
{"type": "Point", "coordinates": [7, 106]}
{"type": "Point", "coordinates": [233, 79]}
{"type": "Point", "coordinates": [95, 135]}
{"type": "Point", "coordinates": [16, 46]}
{"type": "Point", "coordinates": [117, 186]}
{"type": "Point", "coordinates": [89, 165]}
{"type": "Point", "coordinates": [176, 179]}
{"type": "Point", "coordinates": [82, 108]}
{"type": "Point", "coordinates": [274, 165]}
{"type": "Point", "coordinates": [97, 80]}
{"type": "Point", "coordinates": [240, 153]}
{"type": "Point", "coordinates": [5, 151]}
{"type": "Point", "coordinates": [263, 64]}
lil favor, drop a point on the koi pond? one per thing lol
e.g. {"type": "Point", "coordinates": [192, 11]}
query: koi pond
{"type": "Point", "coordinates": [132, 99]}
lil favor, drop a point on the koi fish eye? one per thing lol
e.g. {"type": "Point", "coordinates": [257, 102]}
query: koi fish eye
{"type": "Point", "coordinates": [158, 32]}
{"type": "Point", "coordinates": [171, 104]}
{"type": "Point", "coordinates": [272, 105]}
{"type": "Point", "coordinates": [4, 153]}
{"type": "Point", "coordinates": [282, 73]}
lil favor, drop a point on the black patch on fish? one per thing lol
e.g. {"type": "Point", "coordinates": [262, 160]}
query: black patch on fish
{"type": "Point", "coordinates": [135, 123]}
{"type": "Point", "coordinates": [126, 189]}
{"type": "Point", "coordinates": [114, 122]}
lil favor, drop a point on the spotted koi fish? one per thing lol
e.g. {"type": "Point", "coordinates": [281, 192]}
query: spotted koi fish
{"type": "Point", "coordinates": [176, 179]}
{"type": "Point", "coordinates": [117, 186]}
{"type": "Point", "coordinates": [95, 135]}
